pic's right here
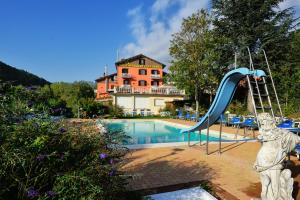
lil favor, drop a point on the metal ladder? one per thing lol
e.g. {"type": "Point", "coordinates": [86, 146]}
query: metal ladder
{"type": "Point", "coordinates": [259, 90]}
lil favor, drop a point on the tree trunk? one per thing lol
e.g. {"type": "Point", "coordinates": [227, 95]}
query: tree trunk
{"type": "Point", "coordinates": [250, 106]}
{"type": "Point", "coordinates": [197, 101]}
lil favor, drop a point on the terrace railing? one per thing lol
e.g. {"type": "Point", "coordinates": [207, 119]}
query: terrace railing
{"type": "Point", "coordinates": [126, 75]}
{"type": "Point", "coordinates": [155, 76]}
{"type": "Point", "coordinates": [158, 90]}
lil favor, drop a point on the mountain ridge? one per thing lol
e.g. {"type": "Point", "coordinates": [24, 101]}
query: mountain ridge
{"type": "Point", "coordinates": [20, 77]}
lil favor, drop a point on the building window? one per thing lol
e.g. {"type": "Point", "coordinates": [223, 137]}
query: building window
{"type": "Point", "coordinates": [154, 71]}
{"type": "Point", "coordinates": [142, 61]}
{"type": "Point", "coordinates": [142, 72]}
{"type": "Point", "coordinates": [126, 82]}
{"type": "Point", "coordinates": [125, 71]}
{"type": "Point", "coordinates": [154, 83]}
{"type": "Point", "coordinates": [112, 87]}
{"type": "Point", "coordinates": [142, 83]}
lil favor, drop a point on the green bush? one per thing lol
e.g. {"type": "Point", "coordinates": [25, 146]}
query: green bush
{"type": "Point", "coordinates": [116, 111]}
{"type": "Point", "coordinates": [237, 107]}
{"type": "Point", "coordinates": [46, 159]}
{"type": "Point", "coordinates": [92, 109]}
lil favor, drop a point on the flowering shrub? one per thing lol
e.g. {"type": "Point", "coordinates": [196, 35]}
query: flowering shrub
{"type": "Point", "coordinates": [46, 159]}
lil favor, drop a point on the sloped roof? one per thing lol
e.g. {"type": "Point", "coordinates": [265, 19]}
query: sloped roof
{"type": "Point", "coordinates": [104, 77]}
{"type": "Point", "coordinates": [124, 61]}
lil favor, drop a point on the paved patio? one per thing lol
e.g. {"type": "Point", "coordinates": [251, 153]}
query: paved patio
{"type": "Point", "coordinates": [230, 173]}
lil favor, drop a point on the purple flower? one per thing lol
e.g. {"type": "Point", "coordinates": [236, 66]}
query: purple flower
{"type": "Point", "coordinates": [111, 161]}
{"type": "Point", "coordinates": [51, 193]}
{"type": "Point", "coordinates": [62, 130]}
{"type": "Point", "coordinates": [31, 193]}
{"type": "Point", "coordinates": [102, 156]}
{"type": "Point", "coordinates": [40, 157]}
{"type": "Point", "coordinates": [112, 172]}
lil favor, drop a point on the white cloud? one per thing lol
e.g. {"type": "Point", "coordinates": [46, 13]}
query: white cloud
{"type": "Point", "coordinates": [153, 32]}
{"type": "Point", "coordinates": [291, 3]}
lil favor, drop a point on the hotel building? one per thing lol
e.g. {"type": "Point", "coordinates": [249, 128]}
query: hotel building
{"type": "Point", "coordinates": [138, 84]}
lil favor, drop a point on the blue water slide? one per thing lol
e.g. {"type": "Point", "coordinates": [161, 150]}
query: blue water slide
{"type": "Point", "coordinates": [223, 97]}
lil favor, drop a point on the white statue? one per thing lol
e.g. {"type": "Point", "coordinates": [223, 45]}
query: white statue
{"type": "Point", "coordinates": [277, 184]}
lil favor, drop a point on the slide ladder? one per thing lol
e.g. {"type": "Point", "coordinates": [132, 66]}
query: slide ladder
{"type": "Point", "coordinates": [259, 91]}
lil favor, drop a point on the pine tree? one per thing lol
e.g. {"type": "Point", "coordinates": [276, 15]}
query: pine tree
{"type": "Point", "coordinates": [258, 24]}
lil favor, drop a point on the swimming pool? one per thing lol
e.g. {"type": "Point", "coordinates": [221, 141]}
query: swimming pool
{"type": "Point", "coordinates": [151, 132]}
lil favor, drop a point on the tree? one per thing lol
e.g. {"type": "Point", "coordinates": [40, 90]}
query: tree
{"type": "Point", "coordinates": [257, 24]}
{"type": "Point", "coordinates": [75, 95]}
{"type": "Point", "coordinates": [193, 57]}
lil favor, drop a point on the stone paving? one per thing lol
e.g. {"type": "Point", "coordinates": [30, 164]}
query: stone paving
{"type": "Point", "coordinates": [231, 171]}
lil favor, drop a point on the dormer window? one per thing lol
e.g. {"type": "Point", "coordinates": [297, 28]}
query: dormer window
{"type": "Point", "coordinates": [142, 83]}
{"type": "Point", "coordinates": [142, 72]}
{"type": "Point", "coordinates": [124, 71]}
{"type": "Point", "coordinates": [141, 61]}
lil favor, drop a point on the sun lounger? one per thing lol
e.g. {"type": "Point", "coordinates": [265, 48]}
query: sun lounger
{"type": "Point", "coordinates": [134, 112]}
{"type": "Point", "coordinates": [187, 116]}
{"type": "Point", "coordinates": [180, 116]}
{"type": "Point", "coordinates": [286, 124]}
{"type": "Point", "coordinates": [235, 121]}
{"type": "Point", "coordinates": [290, 126]}
{"type": "Point", "coordinates": [193, 117]}
{"type": "Point", "coordinates": [297, 151]}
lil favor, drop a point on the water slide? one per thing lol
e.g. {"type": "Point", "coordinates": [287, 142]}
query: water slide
{"type": "Point", "coordinates": [223, 97]}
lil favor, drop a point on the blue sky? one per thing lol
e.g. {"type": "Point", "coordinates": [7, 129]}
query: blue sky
{"type": "Point", "coordinates": [68, 40]}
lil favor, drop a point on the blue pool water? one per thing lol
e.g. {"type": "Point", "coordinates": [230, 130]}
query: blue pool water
{"type": "Point", "coordinates": [149, 132]}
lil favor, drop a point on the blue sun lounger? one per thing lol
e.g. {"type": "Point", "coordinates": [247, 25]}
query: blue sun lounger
{"type": "Point", "coordinates": [180, 116]}
{"type": "Point", "coordinates": [249, 122]}
{"type": "Point", "coordinates": [235, 121]}
{"type": "Point", "coordinates": [193, 117]}
{"type": "Point", "coordinates": [187, 116]}
{"type": "Point", "coordinates": [288, 125]}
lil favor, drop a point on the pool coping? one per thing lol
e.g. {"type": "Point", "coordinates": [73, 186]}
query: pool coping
{"type": "Point", "coordinates": [229, 137]}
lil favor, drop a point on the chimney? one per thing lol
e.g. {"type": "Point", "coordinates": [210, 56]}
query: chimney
{"type": "Point", "coordinates": [105, 71]}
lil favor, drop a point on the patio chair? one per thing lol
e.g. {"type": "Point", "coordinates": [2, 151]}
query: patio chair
{"type": "Point", "coordinates": [187, 116]}
{"type": "Point", "coordinates": [142, 112]}
{"type": "Point", "coordinates": [148, 112]}
{"type": "Point", "coordinates": [180, 115]}
{"type": "Point", "coordinates": [134, 112]}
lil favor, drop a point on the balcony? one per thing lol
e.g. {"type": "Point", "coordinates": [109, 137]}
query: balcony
{"type": "Point", "coordinates": [153, 90]}
{"type": "Point", "coordinates": [155, 76]}
{"type": "Point", "coordinates": [126, 75]}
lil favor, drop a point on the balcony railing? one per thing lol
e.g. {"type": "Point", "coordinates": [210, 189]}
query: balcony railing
{"type": "Point", "coordinates": [159, 90]}
{"type": "Point", "coordinates": [155, 76]}
{"type": "Point", "coordinates": [126, 75]}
